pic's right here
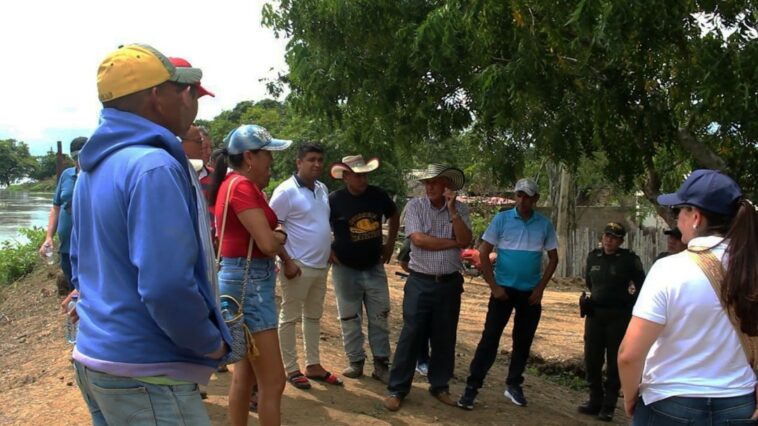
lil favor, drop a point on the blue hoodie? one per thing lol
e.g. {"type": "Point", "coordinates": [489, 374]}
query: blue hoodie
{"type": "Point", "coordinates": [146, 307]}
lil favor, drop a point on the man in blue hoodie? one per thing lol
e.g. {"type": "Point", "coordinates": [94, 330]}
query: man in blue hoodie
{"type": "Point", "coordinates": [149, 327]}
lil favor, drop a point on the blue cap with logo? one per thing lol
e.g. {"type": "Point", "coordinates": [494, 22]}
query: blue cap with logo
{"type": "Point", "coordinates": [251, 137]}
{"type": "Point", "coordinates": [709, 190]}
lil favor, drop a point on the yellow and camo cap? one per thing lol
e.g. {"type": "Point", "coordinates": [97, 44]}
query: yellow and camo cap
{"type": "Point", "coordinates": [137, 67]}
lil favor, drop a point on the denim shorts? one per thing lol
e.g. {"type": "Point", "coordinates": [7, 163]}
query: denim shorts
{"type": "Point", "coordinates": [259, 304]}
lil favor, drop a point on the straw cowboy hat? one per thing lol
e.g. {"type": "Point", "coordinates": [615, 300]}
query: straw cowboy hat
{"type": "Point", "coordinates": [355, 164]}
{"type": "Point", "coordinates": [455, 175]}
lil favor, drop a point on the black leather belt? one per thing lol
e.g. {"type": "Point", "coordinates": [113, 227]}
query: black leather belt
{"type": "Point", "coordinates": [436, 278]}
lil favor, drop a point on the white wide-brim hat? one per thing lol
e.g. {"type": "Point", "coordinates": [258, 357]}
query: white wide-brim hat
{"type": "Point", "coordinates": [455, 175]}
{"type": "Point", "coordinates": [355, 164]}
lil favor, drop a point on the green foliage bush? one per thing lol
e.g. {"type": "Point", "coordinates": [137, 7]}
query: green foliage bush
{"type": "Point", "coordinates": [19, 258]}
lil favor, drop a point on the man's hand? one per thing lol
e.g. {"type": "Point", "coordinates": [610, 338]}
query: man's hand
{"type": "Point", "coordinates": [220, 352]}
{"type": "Point", "coordinates": [64, 307]}
{"type": "Point", "coordinates": [387, 251]}
{"type": "Point", "coordinates": [631, 403]}
{"type": "Point", "coordinates": [291, 270]}
{"type": "Point", "coordinates": [499, 293]}
{"type": "Point", "coordinates": [48, 242]}
{"type": "Point", "coordinates": [333, 259]}
{"type": "Point", "coordinates": [536, 296]}
{"type": "Point", "coordinates": [450, 200]}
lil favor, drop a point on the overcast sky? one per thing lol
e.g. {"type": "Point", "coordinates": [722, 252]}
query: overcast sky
{"type": "Point", "coordinates": [51, 51]}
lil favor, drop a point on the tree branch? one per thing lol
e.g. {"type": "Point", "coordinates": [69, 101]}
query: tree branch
{"type": "Point", "coordinates": [703, 155]}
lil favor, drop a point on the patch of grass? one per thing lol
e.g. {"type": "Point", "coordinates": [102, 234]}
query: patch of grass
{"type": "Point", "coordinates": [47, 185]}
{"type": "Point", "coordinates": [18, 259]}
{"type": "Point", "coordinates": [563, 378]}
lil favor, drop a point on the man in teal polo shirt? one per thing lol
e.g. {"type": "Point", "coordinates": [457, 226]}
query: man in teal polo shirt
{"type": "Point", "coordinates": [520, 235]}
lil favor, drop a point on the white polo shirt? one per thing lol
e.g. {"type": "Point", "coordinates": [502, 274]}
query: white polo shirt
{"type": "Point", "coordinates": [304, 214]}
{"type": "Point", "coordinates": [698, 353]}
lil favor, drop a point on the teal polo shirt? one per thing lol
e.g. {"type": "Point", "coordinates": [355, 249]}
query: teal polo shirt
{"type": "Point", "coordinates": [520, 245]}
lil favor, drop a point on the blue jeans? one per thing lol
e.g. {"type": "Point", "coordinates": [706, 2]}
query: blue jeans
{"type": "Point", "coordinates": [260, 304]}
{"type": "Point", "coordinates": [354, 288]}
{"type": "Point", "coordinates": [679, 410]}
{"type": "Point", "coordinates": [114, 400]}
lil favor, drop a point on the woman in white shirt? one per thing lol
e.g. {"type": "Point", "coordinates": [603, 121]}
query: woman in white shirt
{"type": "Point", "coordinates": [681, 360]}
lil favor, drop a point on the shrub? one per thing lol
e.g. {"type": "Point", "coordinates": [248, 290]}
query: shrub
{"type": "Point", "coordinates": [19, 258]}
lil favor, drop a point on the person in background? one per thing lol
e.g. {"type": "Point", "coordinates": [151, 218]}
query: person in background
{"type": "Point", "coordinates": [60, 214]}
{"type": "Point", "coordinates": [674, 243]}
{"type": "Point", "coordinates": [689, 354]}
{"type": "Point", "coordinates": [614, 276]}
{"type": "Point", "coordinates": [249, 239]}
{"type": "Point", "coordinates": [207, 145]}
{"type": "Point", "coordinates": [439, 227]}
{"type": "Point", "coordinates": [358, 257]}
{"type": "Point", "coordinates": [149, 327]}
{"type": "Point", "coordinates": [302, 205]}
{"type": "Point", "coordinates": [521, 236]}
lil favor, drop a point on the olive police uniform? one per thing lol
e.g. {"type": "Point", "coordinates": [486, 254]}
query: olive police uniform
{"type": "Point", "coordinates": [614, 280]}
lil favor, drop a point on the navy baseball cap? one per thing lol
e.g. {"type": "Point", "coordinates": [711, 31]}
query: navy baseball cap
{"type": "Point", "coordinates": [250, 137]}
{"type": "Point", "coordinates": [709, 190]}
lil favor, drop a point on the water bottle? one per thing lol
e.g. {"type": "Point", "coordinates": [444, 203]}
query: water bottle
{"type": "Point", "coordinates": [226, 312]}
{"type": "Point", "coordinates": [49, 254]}
{"type": "Point", "coordinates": [71, 328]}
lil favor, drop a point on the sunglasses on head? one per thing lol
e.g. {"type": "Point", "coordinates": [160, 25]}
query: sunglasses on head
{"type": "Point", "coordinates": [675, 210]}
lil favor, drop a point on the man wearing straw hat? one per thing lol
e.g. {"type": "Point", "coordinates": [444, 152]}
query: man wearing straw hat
{"type": "Point", "coordinates": [439, 227]}
{"type": "Point", "coordinates": [358, 258]}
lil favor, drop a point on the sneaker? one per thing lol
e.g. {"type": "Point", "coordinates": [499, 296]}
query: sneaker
{"type": "Point", "coordinates": [516, 395]}
{"type": "Point", "coordinates": [422, 368]}
{"type": "Point", "coordinates": [354, 370]}
{"type": "Point", "coordinates": [468, 398]}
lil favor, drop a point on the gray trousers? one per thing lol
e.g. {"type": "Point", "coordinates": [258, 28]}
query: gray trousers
{"type": "Point", "coordinates": [355, 289]}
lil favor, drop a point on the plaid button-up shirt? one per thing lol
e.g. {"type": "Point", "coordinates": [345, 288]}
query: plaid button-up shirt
{"type": "Point", "coordinates": [422, 216]}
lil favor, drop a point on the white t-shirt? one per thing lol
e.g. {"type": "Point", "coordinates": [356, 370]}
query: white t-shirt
{"type": "Point", "coordinates": [304, 214]}
{"type": "Point", "coordinates": [698, 353]}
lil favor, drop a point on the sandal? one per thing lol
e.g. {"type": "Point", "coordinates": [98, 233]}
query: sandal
{"type": "Point", "coordinates": [328, 377]}
{"type": "Point", "coordinates": [299, 381]}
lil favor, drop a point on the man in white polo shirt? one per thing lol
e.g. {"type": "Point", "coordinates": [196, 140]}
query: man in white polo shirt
{"type": "Point", "coordinates": [301, 204]}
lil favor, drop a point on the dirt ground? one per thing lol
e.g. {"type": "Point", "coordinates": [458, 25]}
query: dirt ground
{"type": "Point", "coordinates": [37, 386]}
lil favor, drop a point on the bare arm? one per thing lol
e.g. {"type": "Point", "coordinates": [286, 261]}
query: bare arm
{"type": "Point", "coordinates": [52, 226]}
{"type": "Point", "coordinates": [427, 242]}
{"type": "Point", "coordinates": [389, 245]}
{"type": "Point", "coordinates": [267, 241]}
{"type": "Point", "coordinates": [640, 336]}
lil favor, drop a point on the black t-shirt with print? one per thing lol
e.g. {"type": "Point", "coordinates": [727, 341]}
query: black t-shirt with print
{"type": "Point", "coordinates": [357, 225]}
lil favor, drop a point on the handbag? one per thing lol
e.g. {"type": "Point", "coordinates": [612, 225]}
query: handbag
{"type": "Point", "coordinates": [242, 345]}
{"type": "Point", "coordinates": [714, 270]}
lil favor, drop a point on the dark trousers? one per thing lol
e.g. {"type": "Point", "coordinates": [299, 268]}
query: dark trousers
{"type": "Point", "coordinates": [678, 410]}
{"type": "Point", "coordinates": [603, 332]}
{"type": "Point", "coordinates": [524, 326]}
{"type": "Point", "coordinates": [66, 268]}
{"type": "Point", "coordinates": [430, 311]}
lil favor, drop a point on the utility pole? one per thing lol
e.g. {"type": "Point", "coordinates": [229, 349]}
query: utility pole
{"type": "Point", "coordinates": [59, 161]}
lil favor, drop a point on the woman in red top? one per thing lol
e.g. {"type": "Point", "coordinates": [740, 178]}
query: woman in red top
{"type": "Point", "coordinates": [248, 216]}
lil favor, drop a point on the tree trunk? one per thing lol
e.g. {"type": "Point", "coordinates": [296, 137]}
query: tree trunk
{"type": "Point", "coordinates": [703, 155]}
{"type": "Point", "coordinates": [562, 225]}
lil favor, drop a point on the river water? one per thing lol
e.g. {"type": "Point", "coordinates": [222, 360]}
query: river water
{"type": "Point", "coordinates": [22, 210]}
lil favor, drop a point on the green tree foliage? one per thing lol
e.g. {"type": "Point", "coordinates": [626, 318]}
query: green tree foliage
{"type": "Point", "coordinates": [46, 165]}
{"type": "Point", "coordinates": [16, 161]}
{"type": "Point", "coordinates": [19, 258]}
{"type": "Point", "coordinates": [283, 122]}
{"type": "Point", "coordinates": [655, 87]}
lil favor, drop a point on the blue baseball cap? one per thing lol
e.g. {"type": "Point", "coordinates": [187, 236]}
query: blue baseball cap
{"type": "Point", "coordinates": [709, 190]}
{"type": "Point", "coordinates": [248, 137]}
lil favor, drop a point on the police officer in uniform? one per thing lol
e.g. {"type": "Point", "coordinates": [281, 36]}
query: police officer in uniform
{"type": "Point", "coordinates": [614, 276]}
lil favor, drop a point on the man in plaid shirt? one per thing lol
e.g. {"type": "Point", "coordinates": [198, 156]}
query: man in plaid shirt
{"type": "Point", "coordinates": [438, 226]}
